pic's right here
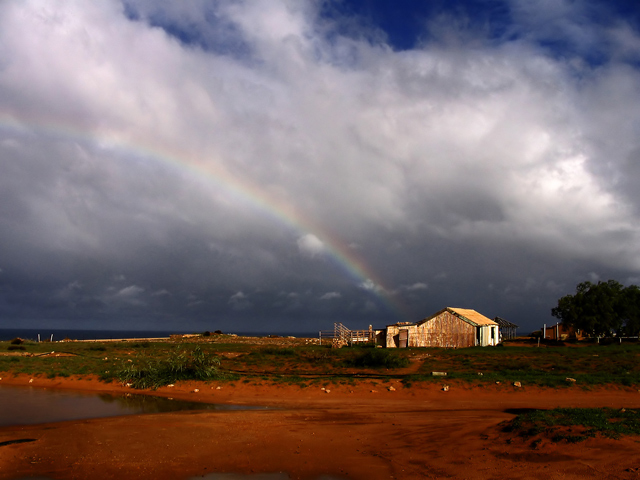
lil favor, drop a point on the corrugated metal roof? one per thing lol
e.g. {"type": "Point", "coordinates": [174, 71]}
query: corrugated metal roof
{"type": "Point", "coordinates": [473, 316]}
{"type": "Point", "coordinates": [505, 323]}
{"type": "Point", "coordinates": [402, 324]}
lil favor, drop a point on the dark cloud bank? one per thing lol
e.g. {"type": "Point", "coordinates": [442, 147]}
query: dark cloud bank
{"type": "Point", "coordinates": [278, 166]}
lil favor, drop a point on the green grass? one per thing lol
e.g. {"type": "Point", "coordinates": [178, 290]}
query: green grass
{"type": "Point", "coordinates": [181, 364]}
{"type": "Point", "coordinates": [575, 424]}
{"type": "Point", "coordinates": [590, 366]}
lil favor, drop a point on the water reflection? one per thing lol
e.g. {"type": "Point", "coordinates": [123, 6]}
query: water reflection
{"type": "Point", "coordinates": [256, 476]}
{"type": "Point", "coordinates": [30, 406]}
{"type": "Point", "coordinates": [150, 404]}
{"type": "Point", "coordinates": [237, 476]}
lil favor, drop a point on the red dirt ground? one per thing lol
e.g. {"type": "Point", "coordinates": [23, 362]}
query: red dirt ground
{"type": "Point", "coordinates": [353, 432]}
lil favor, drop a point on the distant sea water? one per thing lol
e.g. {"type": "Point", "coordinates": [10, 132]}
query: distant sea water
{"type": "Point", "coordinates": [61, 334]}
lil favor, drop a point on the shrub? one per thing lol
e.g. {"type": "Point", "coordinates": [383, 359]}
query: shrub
{"type": "Point", "coordinates": [17, 341]}
{"type": "Point", "coordinates": [180, 365]}
{"type": "Point", "coordinates": [379, 358]}
{"type": "Point", "coordinates": [319, 356]}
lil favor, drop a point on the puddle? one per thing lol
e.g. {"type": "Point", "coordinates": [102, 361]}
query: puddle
{"type": "Point", "coordinates": [256, 476]}
{"type": "Point", "coordinates": [232, 476]}
{"type": "Point", "coordinates": [31, 406]}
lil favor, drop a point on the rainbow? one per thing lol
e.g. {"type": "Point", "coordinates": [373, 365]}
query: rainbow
{"type": "Point", "coordinates": [240, 189]}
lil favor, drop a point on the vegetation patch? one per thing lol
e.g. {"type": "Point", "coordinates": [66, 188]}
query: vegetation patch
{"type": "Point", "coordinates": [279, 351]}
{"type": "Point", "coordinates": [378, 358]}
{"type": "Point", "coordinates": [181, 364]}
{"type": "Point", "coordinates": [575, 424]}
{"type": "Point", "coordinates": [575, 367]}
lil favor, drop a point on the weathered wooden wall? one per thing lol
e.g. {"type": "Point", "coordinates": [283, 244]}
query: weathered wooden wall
{"type": "Point", "coordinates": [445, 330]}
{"type": "Point", "coordinates": [393, 335]}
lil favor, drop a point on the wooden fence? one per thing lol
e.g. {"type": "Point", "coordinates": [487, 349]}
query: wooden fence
{"type": "Point", "coordinates": [341, 336]}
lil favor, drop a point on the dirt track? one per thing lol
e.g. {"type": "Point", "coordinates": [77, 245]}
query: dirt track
{"type": "Point", "coordinates": [362, 432]}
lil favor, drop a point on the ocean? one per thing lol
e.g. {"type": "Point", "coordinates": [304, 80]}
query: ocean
{"type": "Point", "coordinates": [61, 334]}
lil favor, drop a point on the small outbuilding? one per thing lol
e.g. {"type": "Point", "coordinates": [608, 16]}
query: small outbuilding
{"type": "Point", "coordinates": [449, 328]}
{"type": "Point", "coordinates": [561, 332]}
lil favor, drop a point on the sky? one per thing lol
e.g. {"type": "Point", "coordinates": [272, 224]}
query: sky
{"type": "Point", "coordinates": [280, 166]}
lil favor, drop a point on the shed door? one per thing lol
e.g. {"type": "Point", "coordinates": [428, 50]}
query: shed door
{"type": "Point", "coordinates": [404, 338]}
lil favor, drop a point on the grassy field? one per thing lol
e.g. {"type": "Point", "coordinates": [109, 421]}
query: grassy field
{"type": "Point", "coordinates": [574, 424]}
{"type": "Point", "coordinates": [150, 364]}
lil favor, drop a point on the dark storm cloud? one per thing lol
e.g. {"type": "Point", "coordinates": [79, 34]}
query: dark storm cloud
{"type": "Point", "coordinates": [249, 165]}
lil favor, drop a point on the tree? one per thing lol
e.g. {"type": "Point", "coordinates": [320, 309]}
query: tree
{"type": "Point", "coordinates": [631, 311]}
{"type": "Point", "coordinates": [601, 309]}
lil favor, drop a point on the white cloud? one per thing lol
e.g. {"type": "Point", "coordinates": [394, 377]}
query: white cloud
{"type": "Point", "coordinates": [415, 287]}
{"type": "Point", "coordinates": [127, 296]}
{"type": "Point", "coordinates": [310, 246]}
{"type": "Point", "coordinates": [161, 293]}
{"type": "Point", "coordinates": [371, 286]}
{"type": "Point", "coordinates": [330, 296]}
{"type": "Point", "coordinates": [130, 291]}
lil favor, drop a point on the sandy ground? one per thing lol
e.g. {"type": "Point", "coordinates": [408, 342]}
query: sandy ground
{"type": "Point", "coordinates": [353, 432]}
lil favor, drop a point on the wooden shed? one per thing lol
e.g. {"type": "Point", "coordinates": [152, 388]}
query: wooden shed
{"type": "Point", "coordinates": [449, 328]}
